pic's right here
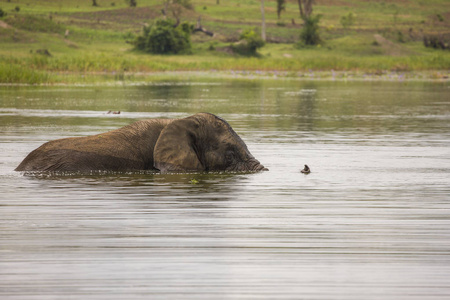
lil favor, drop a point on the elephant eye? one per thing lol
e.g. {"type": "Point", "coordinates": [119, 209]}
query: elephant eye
{"type": "Point", "coordinates": [229, 156]}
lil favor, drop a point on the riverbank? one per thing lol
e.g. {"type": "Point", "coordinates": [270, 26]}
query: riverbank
{"type": "Point", "coordinates": [149, 78]}
{"type": "Point", "coordinates": [26, 66]}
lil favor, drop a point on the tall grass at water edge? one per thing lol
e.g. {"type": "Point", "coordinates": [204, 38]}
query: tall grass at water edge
{"type": "Point", "coordinates": [40, 69]}
{"type": "Point", "coordinates": [18, 74]}
{"type": "Point", "coordinates": [305, 61]}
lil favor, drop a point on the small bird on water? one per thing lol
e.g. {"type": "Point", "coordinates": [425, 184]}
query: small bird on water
{"type": "Point", "coordinates": [306, 170]}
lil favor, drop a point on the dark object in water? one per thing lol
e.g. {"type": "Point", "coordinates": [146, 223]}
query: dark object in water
{"type": "Point", "coordinates": [306, 170]}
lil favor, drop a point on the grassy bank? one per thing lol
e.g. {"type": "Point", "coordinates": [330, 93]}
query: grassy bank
{"type": "Point", "coordinates": [37, 68]}
{"type": "Point", "coordinates": [81, 39]}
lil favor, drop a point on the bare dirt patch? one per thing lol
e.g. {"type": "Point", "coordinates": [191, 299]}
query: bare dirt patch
{"type": "Point", "coordinates": [4, 25]}
{"type": "Point", "coordinates": [390, 48]}
{"type": "Point", "coordinates": [119, 19]}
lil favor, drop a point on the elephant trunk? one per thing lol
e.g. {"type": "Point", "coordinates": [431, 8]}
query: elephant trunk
{"type": "Point", "coordinates": [256, 166]}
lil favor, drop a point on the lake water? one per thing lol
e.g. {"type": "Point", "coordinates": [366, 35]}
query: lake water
{"type": "Point", "coordinates": [372, 220]}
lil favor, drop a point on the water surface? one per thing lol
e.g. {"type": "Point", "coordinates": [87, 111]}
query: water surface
{"type": "Point", "coordinates": [372, 220]}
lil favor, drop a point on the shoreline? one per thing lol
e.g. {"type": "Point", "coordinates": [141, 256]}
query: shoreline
{"type": "Point", "coordinates": [141, 78]}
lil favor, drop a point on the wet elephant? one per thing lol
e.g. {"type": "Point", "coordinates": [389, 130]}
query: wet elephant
{"type": "Point", "coordinates": [199, 143]}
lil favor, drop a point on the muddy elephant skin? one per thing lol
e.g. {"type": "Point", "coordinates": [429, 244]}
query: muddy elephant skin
{"type": "Point", "coordinates": [199, 143]}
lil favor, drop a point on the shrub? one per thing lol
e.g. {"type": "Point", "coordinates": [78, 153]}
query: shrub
{"type": "Point", "coordinates": [163, 37]}
{"type": "Point", "coordinates": [131, 3]}
{"type": "Point", "coordinates": [436, 42]}
{"type": "Point", "coordinates": [2, 13]}
{"type": "Point", "coordinates": [309, 36]}
{"type": "Point", "coordinates": [249, 43]}
{"type": "Point", "coordinates": [401, 37]}
{"type": "Point", "coordinates": [348, 20]}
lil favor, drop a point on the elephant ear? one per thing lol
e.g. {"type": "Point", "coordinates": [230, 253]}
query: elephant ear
{"type": "Point", "coordinates": [176, 149]}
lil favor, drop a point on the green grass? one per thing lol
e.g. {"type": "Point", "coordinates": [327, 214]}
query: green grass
{"type": "Point", "coordinates": [33, 23]}
{"type": "Point", "coordinates": [16, 73]}
{"type": "Point", "coordinates": [97, 38]}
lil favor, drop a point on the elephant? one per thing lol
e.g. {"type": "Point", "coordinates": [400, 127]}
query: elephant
{"type": "Point", "coordinates": [200, 143]}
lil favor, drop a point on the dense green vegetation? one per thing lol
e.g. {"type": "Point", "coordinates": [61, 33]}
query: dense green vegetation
{"type": "Point", "coordinates": [309, 35]}
{"type": "Point", "coordinates": [163, 37]}
{"type": "Point", "coordinates": [248, 44]}
{"type": "Point", "coordinates": [43, 41]}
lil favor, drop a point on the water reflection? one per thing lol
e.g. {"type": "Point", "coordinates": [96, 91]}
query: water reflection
{"type": "Point", "coordinates": [370, 221]}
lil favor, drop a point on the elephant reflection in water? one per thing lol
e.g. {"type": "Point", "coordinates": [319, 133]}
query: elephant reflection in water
{"type": "Point", "coordinates": [199, 143]}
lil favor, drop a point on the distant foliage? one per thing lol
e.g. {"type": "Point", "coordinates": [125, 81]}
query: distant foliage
{"type": "Point", "coordinates": [281, 6]}
{"type": "Point", "coordinates": [249, 43]}
{"type": "Point", "coordinates": [436, 42]}
{"type": "Point", "coordinates": [2, 13]}
{"type": "Point", "coordinates": [401, 37]}
{"type": "Point", "coordinates": [177, 7]}
{"type": "Point", "coordinates": [131, 3]}
{"type": "Point", "coordinates": [309, 36]}
{"type": "Point", "coordinates": [185, 3]}
{"type": "Point", "coordinates": [163, 37]}
{"type": "Point", "coordinates": [306, 8]}
{"type": "Point", "coordinates": [348, 20]}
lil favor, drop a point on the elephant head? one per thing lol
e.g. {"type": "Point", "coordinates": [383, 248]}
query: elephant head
{"type": "Point", "coordinates": [203, 142]}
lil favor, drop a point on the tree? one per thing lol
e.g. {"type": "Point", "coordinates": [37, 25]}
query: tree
{"type": "Point", "coordinates": [94, 3]}
{"type": "Point", "coordinates": [176, 7]}
{"type": "Point", "coordinates": [310, 31]}
{"type": "Point", "coordinates": [200, 28]}
{"type": "Point", "coordinates": [281, 6]}
{"type": "Point", "coordinates": [263, 23]}
{"type": "Point", "coordinates": [305, 7]}
{"type": "Point", "coordinates": [309, 36]}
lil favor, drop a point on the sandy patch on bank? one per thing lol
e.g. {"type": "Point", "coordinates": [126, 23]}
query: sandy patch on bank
{"type": "Point", "coordinates": [390, 47]}
{"type": "Point", "coordinates": [4, 25]}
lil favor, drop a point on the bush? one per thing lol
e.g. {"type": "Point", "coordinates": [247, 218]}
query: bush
{"type": "Point", "coordinates": [348, 20]}
{"type": "Point", "coordinates": [131, 3]}
{"type": "Point", "coordinates": [163, 37]}
{"type": "Point", "coordinates": [248, 44]}
{"type": "Point", "coordinates": [401, 37]}
{"type": "Point", "coordinates": [309, 36]}
{"type": "Point", "coordinates": [436, 42]}
{"type": "Point", "coordinates": [2, 13]}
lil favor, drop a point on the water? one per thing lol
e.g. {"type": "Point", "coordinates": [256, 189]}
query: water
{"type": "Point", "coordinates": [372, 220]}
